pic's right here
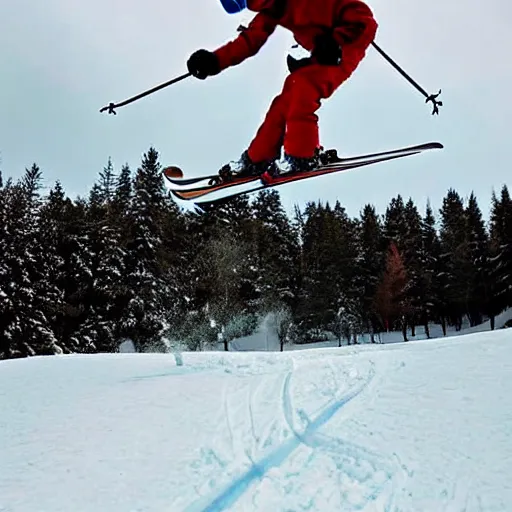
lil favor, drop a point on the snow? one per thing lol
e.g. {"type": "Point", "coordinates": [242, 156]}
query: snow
{"type": "Point", "coordinates": [419, 426]}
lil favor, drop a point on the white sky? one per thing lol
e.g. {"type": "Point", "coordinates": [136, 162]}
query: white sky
{"type": "Point", "coordinates": [62, 60]}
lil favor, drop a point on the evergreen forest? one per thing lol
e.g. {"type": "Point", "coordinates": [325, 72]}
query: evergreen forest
{"type": "Point", "coordinates": [126, 262]}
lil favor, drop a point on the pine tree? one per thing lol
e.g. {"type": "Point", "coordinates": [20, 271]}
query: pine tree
{"type": "Point", "coordinates": [95, 206]}
{"type": "Point", "coordinates": [479, 294]}
{"type": "Point", "coordinates": [106, 295]}
{"type": "Point", "coordinates": [329, 258]}
{"type": "Point", "coordinates": [412, 259]}
{"type": "Point", "coordinates": [395, 223]}
{"type": "Point", "coordinates": [107, 183]}
{"type": "Point", "coordinates": [195, 274]}
{"type": "Point", "coordinates": [371, 263]}
{"type": "Point", "coordinates": [29, 297]}
{"type": "Point", "coordinates": [149, 292]}
{"type": "Point", "coordinates": [276, 252]}
{"type": "Point", "coordinates": [350, 287]}
{"type": "Point", "coordinates": [235, 212]}
{"type": "Point", "coordinates": [319, 289]}
{"type": "Point", "coordinates": [11, 272]}
{"type": "Point", "coordinates": [70, 234]}
{"type": "Point", "coordinates": [501, 250]}
{"type": "Point", "coordinates": [454, 257]}
{"type": "Point", "coordinates": [6, 343]}
{"type": "Point", "coordinates": [121, 201]}
{"type": "Point", "coordinates": [54, 216]}
{"type": "Point", "coordinates": [429, 259]}
{"type": "Point", "coordinates": [506, 202]}
{"type": "Point", "coordinates": [45, 296]}
{"type": "Point", "coordinates": [178, 253]}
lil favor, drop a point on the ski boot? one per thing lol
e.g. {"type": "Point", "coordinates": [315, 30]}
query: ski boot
{"type": "Point", "coordinates": [327, 157]}
{"type": "Point", "coordinates": [287, 165]}
{"type": "Point", "coordinates": [239, 169]}
{"type": "Point", "coordinates": [292, 164]}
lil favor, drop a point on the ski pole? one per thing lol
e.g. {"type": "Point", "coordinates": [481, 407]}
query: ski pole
{"type": "Point", "coordinates": [111, 106]}
{"type": "Point", "coordinates": [430, 97]}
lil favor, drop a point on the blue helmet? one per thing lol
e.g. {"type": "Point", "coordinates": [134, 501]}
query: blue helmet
{"type": "Point", "coordinates": [233, 6]}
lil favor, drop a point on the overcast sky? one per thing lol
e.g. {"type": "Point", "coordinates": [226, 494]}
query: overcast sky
{"type": "Point", "coordinates": [62, 60]}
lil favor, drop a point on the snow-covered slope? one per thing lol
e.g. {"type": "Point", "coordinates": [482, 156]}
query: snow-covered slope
{"type": "Point", "coordinates": [423, 426]}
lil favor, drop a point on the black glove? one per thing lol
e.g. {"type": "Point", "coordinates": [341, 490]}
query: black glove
{"type": "Point", "coordinates": [202, 64]}
{"type": "Point", "coordinates": [326, 51]}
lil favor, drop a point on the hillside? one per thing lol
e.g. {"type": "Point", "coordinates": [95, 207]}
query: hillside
{"type": "Point", "coordinates": [422, 426]}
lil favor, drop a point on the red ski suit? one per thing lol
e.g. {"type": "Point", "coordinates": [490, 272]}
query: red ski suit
{"type": "Point", "coordinates": [291, 119]}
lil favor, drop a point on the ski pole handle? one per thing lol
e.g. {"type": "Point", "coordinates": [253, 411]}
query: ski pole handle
{"type": "Point", "coordinates": [111, 106]}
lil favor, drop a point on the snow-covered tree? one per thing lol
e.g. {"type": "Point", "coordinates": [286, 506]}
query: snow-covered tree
{"type": "Point", "coordinates": [282, 323]}
{"type": "Point", "coordinates": [149, 293]}
{"type": "Point", "coordinates": [348, 322]}
{"type": "Point", "coordinates": [29, 297]}
{"type": "Point", "coordinates": [276, 252]}
{"type": "Point", "coordinates": [107, 183]}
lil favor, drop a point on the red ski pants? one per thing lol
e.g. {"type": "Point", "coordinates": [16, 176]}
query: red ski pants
{"type": "Point", "coordinates": [291, 120]}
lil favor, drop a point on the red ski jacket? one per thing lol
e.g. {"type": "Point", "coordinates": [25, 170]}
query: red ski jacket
{"type": "Point", "coordinates": [351, 21]}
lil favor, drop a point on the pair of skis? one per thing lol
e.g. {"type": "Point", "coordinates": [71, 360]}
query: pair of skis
{"type": "Point", "coordinates": [174, 175]}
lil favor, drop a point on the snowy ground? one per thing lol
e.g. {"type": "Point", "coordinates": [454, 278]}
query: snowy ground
{"type": "Point", "coordinates": [422, 426]}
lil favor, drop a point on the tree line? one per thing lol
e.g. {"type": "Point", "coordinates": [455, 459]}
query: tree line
{"type": "Point", "coordinates": [82, 275]}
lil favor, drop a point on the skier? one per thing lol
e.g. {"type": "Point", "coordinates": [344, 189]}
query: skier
{"type": "Point", "coordinates": [335, 32]}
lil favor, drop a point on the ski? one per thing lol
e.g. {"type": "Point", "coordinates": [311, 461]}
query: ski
{"type": "Point", "coordinates": [197, 193]}
{"type": "Point", "coordinates": [174, 175]}
{"type": "Point", "coordinates": [280, 180]}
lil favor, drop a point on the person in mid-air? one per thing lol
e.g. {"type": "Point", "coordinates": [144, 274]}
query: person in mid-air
{"type": "Point", "coordinates": [337, 34]}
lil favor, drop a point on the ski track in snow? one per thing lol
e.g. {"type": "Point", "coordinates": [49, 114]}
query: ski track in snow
{"type": "Point", "coordinates": [291, 453]}
{"type": "Point", "coordinates": [416, 427]}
